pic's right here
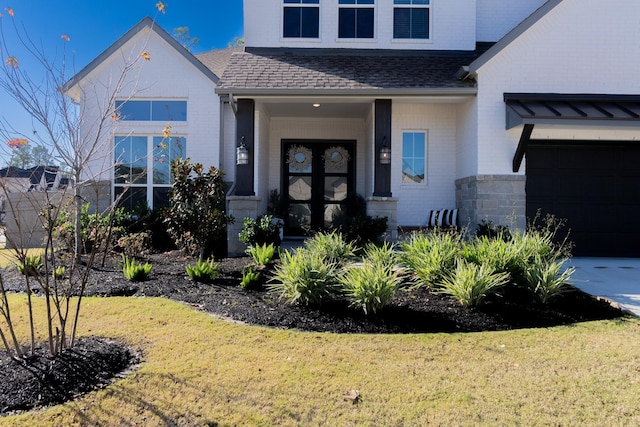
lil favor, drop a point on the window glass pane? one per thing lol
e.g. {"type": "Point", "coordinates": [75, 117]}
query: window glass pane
{"type": "Point", "coordinates": [292, 24]}
{"type": "Point", "coordinates": [130, 160]}
{"type": "Point", "coordinates": [419, 23]}
{"type": "Point", "coordinates": [310, 22]}
{"type": "Point", "coordinates": [134, 110]}
{"type": "Point", "coordinates": [365, 23]}
{"type": "Point", "coordinates": [413, 157]}
{"type": "Point", "coordinates": [131, 198]}
{"type": "Point", "coordinates": [169, 110]}
{"type": "Point", "coordinates": [300, 188]}
{"type": "Point", "coordinates": [347, 2]}
{"type": "Point", "coordinates": [401, 23]}
{"type": "Point", "coordinates": [335, 188]}
{"type": "Point", "coordinates": [299, 215]}
{"type": "Point", "coordinates": [165, 151]}
{"type": "Point", "coordinates": [161, 197]}
{"type": "Point", "coordinates": [347, 23]}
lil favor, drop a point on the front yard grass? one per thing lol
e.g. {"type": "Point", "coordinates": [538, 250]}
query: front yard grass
{"type": "Point", "coordinates": [199, 370]}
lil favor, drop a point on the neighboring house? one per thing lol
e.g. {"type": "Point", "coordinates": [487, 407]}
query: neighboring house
{"type": "Point", "coordinates": [497, 108]}
{"type": "Point", "coordinates": [37, 178]}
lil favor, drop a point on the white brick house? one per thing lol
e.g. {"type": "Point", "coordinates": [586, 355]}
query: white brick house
{"type": "Point", "coordinates": [498, 108]}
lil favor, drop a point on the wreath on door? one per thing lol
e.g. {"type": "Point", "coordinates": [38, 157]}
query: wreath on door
{"type": "Point", "coordinates": [299, 157]}
{"type": "Point", "coordinates": [336, 158]}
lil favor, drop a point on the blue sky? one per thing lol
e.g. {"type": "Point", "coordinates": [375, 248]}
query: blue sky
{"type": "Point", "coordinates": [93, 25]}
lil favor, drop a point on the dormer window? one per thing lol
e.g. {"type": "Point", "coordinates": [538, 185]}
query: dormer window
{"type": "Point", "coordinates": [411, 19]}
{"type": "Point", "coordinates": [301, 19]}
{"type": "Point", "coordinates": [355, 19]}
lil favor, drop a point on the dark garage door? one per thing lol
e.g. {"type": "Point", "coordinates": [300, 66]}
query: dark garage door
{"type": "Point", "coordinates": [595, 187]}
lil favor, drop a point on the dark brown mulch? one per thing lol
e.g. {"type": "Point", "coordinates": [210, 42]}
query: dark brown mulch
{"type": "Point", "coordinates": [411, 311]}
{"type": "Point", "coordinates": [42, 380]}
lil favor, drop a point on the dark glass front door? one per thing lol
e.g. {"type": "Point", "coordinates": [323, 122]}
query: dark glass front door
{"type": "Point", "coordinates": [317, 179]}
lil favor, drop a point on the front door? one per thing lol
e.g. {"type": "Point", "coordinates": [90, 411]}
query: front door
{"type": "Point", "coordinates": [317, 179]}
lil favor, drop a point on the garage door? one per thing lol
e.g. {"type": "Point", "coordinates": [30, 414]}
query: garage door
{"type": "Point", "coordinates": [595, 187]}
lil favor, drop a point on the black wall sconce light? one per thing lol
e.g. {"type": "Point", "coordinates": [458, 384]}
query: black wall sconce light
{"type": "Point", "coordinates": [385, 152]}
{"type": "Point", "coordinates": [242, 153]}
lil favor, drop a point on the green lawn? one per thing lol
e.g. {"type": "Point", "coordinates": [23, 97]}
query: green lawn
{"type": "Point", "coordinates": [199, 370]}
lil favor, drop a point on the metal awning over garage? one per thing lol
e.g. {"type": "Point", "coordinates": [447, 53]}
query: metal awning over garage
{"type": "Point", "coordinates": [567, 109]}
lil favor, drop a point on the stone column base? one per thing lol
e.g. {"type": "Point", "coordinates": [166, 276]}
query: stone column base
{"type": "Point", "coordinates": [240, 207]}
{"type": "Point", "coordinates": [385, 206]}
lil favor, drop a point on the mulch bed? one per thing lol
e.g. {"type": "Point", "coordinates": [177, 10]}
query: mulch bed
{"type": "Point", "coordinates": [411, 311]}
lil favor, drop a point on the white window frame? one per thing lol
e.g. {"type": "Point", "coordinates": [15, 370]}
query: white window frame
{"type": "Point", "coordinates": [412, 6]}
{"type": "Point", "coordinates": [358, 6]}
{"type": "Point", "coordinates": [149, 184]}
{"type": "Point", "coordinates": [300, 5]}
{"type": "Point", "coordinates": [425, 181]}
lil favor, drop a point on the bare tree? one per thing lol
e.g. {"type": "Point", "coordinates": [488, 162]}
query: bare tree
{"type": "Point", "coordinates": [83, 143]}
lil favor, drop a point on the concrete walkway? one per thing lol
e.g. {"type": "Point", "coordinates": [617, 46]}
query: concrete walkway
{"type": "Point", "coordinates": [617, 279]}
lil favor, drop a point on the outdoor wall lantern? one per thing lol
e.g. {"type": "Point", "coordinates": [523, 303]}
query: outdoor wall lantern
{"type": "Point", "coordinates": [385, 152]}
{"type": "Point", "coordinates": [242, 153]}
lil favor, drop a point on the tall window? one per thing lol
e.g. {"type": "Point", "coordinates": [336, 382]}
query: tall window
{"type": "Point", "coordinates": [157, 110]}
{"type": "Point", "coordinates": [301, 20]}
{"type": "Point", "coordinates": [355, 19]}
{"type": "Point", "coordinates": [145, 179]}
{"type": "Point", "coordinates": [414, 149]}
{"type": "Point", "coordinates": [411, 19]}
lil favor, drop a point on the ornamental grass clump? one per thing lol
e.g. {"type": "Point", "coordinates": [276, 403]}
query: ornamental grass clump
{"type": "Point", "coordinates": [262, 254]}
{"type": "Point", "coordinates": [371, 285]}
{"type": "Point", "coordinates": [470, 283]}
{"type": "Point", "coordinates": [547, 279]}
{"type": "Point", "coordinates": [429, 256]}
{"type": "Point", "coordinates": [304, 277]}
{"type": "Point", "coordinates": [501, 255]}
{"type": "Point", "coordinates": [30, 266]}
{"type": "Point", "coordinates": [249, 277]}
{"type": "Point", "coordinates": [135, 272]}
{"type": "Point", "coordinates": [204, 271]}
{"type": "Point", "coordinates": [331, 247]}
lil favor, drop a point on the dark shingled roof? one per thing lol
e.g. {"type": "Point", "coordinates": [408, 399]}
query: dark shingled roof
{"type": "Point", "coordinates": [217, 60]}
{"type": "Point", "coordinates": [346, 69]}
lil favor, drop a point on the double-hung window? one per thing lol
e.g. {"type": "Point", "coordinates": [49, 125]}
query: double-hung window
{"type": "Point", "coordinates": [414, 150]}
{"type": "Point", "coordinates": [142, 169]}
{"type": "Point", "coordinates": [301, 19]}
{"type": "Point", "coordinates": [411, 19]}
{"type": "Point", "coordinates": [356, 19]}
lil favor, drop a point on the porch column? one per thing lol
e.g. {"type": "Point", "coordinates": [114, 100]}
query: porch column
{"type": "Point", "coordinates": [382, 172]}
{"type": "Point", "coordinates": [245, 129]}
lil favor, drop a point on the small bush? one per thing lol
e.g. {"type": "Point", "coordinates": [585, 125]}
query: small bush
{"type": "Point", "coordinates": [304, 277]}
{"type": "Point", "coordinates": [489, 229]}
{"type": "Point", "coordinates": [470, 283]}
{"type": "Point", "coordinates": [429, 256]}
{"type": "Point", "coordinates": [259, 231]}
{"type": "Point", "coordinates": [135, 244]}
{"type": "Point", "coordinates": [59, 272]}
{"type": "Point", "coordinates": [262, 254]}
{"type": "Point", "coordinates": [204, 271]}
{"type": "Point", "coordinates": [249, 277]}
{"type": "Point", "coordinates": [370, 286]}
{"type": "Point", "coordinates": [31, 265]}
{"type": "Point", "coordinates": [383, 255]}
{"type": "Point", "coordinates": [501, 255]}
{"type": "Point", "coordinates": [133, 271]}
{"type": "Point", "coordinates": [546, 280]}
{"type": "Point", "coordinates": [331, 247]}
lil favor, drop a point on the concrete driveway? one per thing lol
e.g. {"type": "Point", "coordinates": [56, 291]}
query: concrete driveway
{"type": "Point", "coordinates": [617, 279]}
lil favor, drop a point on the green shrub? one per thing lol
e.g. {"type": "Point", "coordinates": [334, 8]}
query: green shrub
{"type": "Point", "coordinates": [260, 231]}
{"type": "Point", "coordinates": [249, 277]}
{"type": "Point", "coordinates": [204, 271]}
{"type": "Point", "coordinates": [356, 225]}
{"type": "Point", "coordinates": [331, 247]}
{"type": "Point", "coordinates": [470, 283]}
{"type": "Point", "coordinates": [31, 265]}
{"type": "Point", "coordinates": [429, 256]}
{"type": "Point", "coordinates": [383, 255]}
{"type": "Point", "coordinates": [370, 286]}
{"type": "Point", "coordinates": [196, 216]}
{"type": "Point", "coordinates": [304, 277]}
{"type": "Point", "coordinates": [546, 279]}
{"type": "Point", "coordinates": [262, 254]}
{"type": "Point", "coordinates": [133, 271]}
{"type": "Point", "coordinates": [489, 229]}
